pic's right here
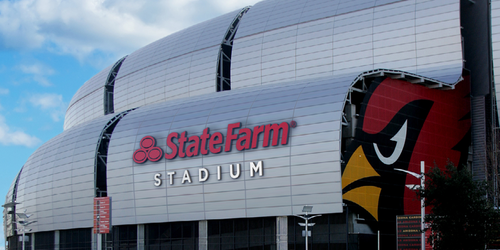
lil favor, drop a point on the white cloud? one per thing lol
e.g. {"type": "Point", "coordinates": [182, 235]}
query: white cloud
{"type": "Point", "coordinates": [4, 91]}
{"type": "Point", "coordinates": [37, 69]}
{"type": "Point", "coordinates": [230, 5]}
{"type": "Point", "coordinates": [111, 27]}
{"type": "Point", "coordinates": [9, 137]}
{"type": "Point", "coordinates": [51, 103]}
{"type": "Point", "coordinates": [39, 73]}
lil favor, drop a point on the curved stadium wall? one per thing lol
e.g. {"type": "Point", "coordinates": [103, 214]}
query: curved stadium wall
{"type": "Point", "coordinates": [217, 135]}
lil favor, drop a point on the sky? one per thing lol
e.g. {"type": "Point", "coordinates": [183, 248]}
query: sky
{"type": "Point", "coordinates": [49, 48]}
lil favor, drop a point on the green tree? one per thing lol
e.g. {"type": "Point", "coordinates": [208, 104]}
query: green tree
{"type": "Point", "coordinates": [461, 216]}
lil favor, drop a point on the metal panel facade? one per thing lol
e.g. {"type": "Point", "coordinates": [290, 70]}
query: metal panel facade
{"type": "Point", "coordinates": [314, 49]}
{"type": "Point", "coordinates": [305, 171]}
{"type": "Point", "coordinates": [180, 65]}
{"type": "Point", "coordinates": [495, 38]}
{"type": "Point", "coordinates": [282, 41]}
{"type": "Point", "coordinates": [57, 182]}
{"type": "Point", "coordinates": [273, 46]}
{"type": "Point", "coordinates": [88, 103]}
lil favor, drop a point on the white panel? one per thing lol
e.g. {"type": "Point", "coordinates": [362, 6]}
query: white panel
{"type": "Point", "coordinates": [88, 101]}
{"type": "Point", "coordinates": [420, 37]}
{"type": "Point", "coordinates": [57, 184]}
{"type": "Point", "coordinates": [299, 101]}
{"type": "Point", "coordinates": [182, 64]}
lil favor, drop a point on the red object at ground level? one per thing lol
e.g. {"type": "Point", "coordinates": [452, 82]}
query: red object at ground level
{"type": "Point", "coordinates": [102, 215]}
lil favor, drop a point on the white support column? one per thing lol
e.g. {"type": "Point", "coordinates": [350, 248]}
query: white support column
{"type": "Point", "coordinates": [32, 241]}
{"type": "Point", "coordinates": [96, 241]}
{"type": "Point", "coordinates": [141, 240]}
{"type": "Point", "coordinates": [99, 241]}
{"type": "Point", "coordinates": [56, 240]}
{"type": "Point", "coordinates": [203, 235]}
{"type": "Point", "coordinates": [93, 245]}
{"type": "Point", "coordinates": [282, 232]}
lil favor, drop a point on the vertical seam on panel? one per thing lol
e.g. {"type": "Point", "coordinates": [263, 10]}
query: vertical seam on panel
{"type": "Point", "coordinates": [244, 153]}
{"type": "Point", "coordinates": [166, 162]}
{"type": "Point", "coordinates": [373, 37]}
{"type": "Point", "coordinates": [202, 164]}
{"type": "Point", "coordinates": [290, 150]}
{"type": "Point", "coordinates": [333, 37]}
{"type": "Point", "coordinates": [133, 173]}
{"type": "Point", "coordinates": [189, 75]}
{"type": "Point", "coordinates": [296, 42]}
{"type": "Point", "coordinates": [415, 35]}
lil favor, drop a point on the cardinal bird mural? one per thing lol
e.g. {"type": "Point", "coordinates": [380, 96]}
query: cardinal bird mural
{"type": "Point", "coordinates": [399, 125]}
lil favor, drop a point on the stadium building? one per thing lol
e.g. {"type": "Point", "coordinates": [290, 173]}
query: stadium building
{"type": "Point", "coordinates": [216, 136]}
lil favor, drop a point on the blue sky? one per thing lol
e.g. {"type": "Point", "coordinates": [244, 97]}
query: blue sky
{"type": "Point", "coordinates": [49, 48]}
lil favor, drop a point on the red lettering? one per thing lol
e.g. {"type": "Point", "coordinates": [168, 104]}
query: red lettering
{"type": "Point", "coordinates": [182, 140]}
{"type": "Point", "coordinates": [230, 136]}
{"type": "Point", "coordinates": [204, 137]}
{"type": "Point", "coordinates": [217, 138]}
{"type": "Point", "coordinates": [284, 126]}
{"type": "Point", "coordinates": [255, 138]}
{"type": "Point", "coordinates": [172, 145]}
{"type": "Point", "coordinates": [194, 147]}
{"type": "Point", "coordinates": [247, 139]}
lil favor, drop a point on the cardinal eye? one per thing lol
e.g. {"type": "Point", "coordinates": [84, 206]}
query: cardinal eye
{"type": "Point", "coordinates": [400, 139]}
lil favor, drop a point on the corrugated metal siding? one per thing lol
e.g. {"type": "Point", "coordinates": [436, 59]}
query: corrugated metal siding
{"type": "Point", "coordinates": [335, 40]}
{"type": "Point", "coordinates": [273, 46]}
{"type": "Point", "coordinates": [88, 102]}
{"type": "Point", "coordinates": [180, 65]}
{"type": "Point", "coordinates": [57, 182]}
{"type": "Point", "coordinates": [280, 41]}
{"type": "Point", "coordinates": [306, 171]}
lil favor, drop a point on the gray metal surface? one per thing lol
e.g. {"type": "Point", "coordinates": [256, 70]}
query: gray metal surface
{"type": "Point", "coordinates": [57, 182]}
{"type": "Point", "coordinates": [306, 171]}
{"type": "Point", "coordinates": [87, 103]}
{"type": "Point", "coordinates": [180, 65]}
{"type": "Point", "coordinates": [314, 49]}
{"type": "Point", "coordinates": [280, 41]}
{"type": "Point", "coordinates": [495, 43]}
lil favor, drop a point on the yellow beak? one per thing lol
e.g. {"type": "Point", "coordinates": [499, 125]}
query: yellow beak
{"type": "Point", "coordinates": [356, 169]}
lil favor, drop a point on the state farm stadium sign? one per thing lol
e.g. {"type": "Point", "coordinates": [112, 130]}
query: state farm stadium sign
{"type": "Point", "coordinates": [182, 145]}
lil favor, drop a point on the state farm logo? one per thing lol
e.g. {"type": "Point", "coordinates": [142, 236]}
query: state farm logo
{"type": "Point", "coordinates": [182, 145]}
{"type": "Point", "coordinates": [147, 150]}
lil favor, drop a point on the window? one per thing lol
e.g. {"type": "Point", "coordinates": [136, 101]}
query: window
{"type": "Point", "coordinates": [172, 236]}
{"type": "Point", "coordinates": [254, 233]}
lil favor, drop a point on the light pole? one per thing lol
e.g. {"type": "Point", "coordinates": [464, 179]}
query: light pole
{"type": "Point", "coordinates": [10, 204]}
{"type": "Point", "coordinates": [307, 209]}
{"type": "Point", "coordinates": [24, 222]}
{"type": "Point", "coordinates": [23, 219]}
{"type": "Point", "coordinates": [7, 206]}
{"type": "Point", "coordinates": [420, 176]}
